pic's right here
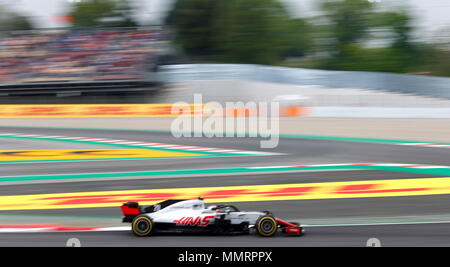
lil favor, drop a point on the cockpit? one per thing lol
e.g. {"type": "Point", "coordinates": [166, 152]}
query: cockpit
{"type": "Point", "coordinates": [223, 208]}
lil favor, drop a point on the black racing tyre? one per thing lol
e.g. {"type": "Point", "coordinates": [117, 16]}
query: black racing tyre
{"type": "Point", "coordinates": [142, 226]}
{"type": "Point", "coordinates": [266, 226]}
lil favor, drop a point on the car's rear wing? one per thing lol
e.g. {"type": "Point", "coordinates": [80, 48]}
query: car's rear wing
{"type": "Point", "coordinates": [130, 210]}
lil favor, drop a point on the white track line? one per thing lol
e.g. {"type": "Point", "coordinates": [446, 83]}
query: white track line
{"type": "Point", "coordinates": [128, 228]}
{"type": "Point", "coordinates": [141, 144]}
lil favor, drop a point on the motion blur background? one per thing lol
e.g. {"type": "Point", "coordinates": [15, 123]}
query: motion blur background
{"type": "Point", "coordinates": [311, 26]}
{"type": "Point", "coordinates": [361, 81]}
{"type": "Point", "coordinates": [70, 48]}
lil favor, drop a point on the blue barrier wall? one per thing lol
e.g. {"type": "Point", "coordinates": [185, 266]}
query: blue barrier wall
{"type": "Point", "coordinates": [408, 84]}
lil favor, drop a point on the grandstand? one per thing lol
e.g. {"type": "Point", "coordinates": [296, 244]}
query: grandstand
{"type": "Point", "coordinates": [37, 63]}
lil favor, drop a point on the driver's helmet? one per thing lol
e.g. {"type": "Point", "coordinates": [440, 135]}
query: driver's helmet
{"type": "Point", "coordinates": [213, 208]}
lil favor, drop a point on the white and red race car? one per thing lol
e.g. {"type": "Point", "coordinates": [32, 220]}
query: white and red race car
{"type": "Point", "coordinates": [193, 216]}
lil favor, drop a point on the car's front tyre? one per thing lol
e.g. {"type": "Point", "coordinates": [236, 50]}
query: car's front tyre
{"type": "Point", "coordinates": [266, 226]}
{"type": "Point", "coordinates": [142, 226]}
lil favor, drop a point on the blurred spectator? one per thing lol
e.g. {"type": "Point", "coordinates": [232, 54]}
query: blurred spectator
{"type": "Point", "coordinates": [82, 56]}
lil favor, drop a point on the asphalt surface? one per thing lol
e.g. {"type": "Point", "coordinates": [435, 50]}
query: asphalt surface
{"type": "Point", "coordinates": [354, 236]}
{"type": "Point", "coordinates": [293, 151]}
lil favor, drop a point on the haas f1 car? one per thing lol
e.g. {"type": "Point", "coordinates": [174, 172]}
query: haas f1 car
{"type": "Point", "coordinates": [193, 216]}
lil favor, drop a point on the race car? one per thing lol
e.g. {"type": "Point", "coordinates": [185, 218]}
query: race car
{"type": "Point", "coordinates": [194, 216]}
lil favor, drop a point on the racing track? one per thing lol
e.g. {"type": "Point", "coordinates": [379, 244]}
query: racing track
{"type": "Point", "coordinates": [396, 221]}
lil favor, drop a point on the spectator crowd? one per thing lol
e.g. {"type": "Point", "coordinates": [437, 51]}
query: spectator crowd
{"type": "Point", "coordinates": [78, 56]}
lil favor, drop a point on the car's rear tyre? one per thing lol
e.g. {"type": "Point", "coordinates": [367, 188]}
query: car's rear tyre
{"type": "Point", "coordinates": [266, 226]}
{"type": "Point", "coordinates": [142, 226]}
